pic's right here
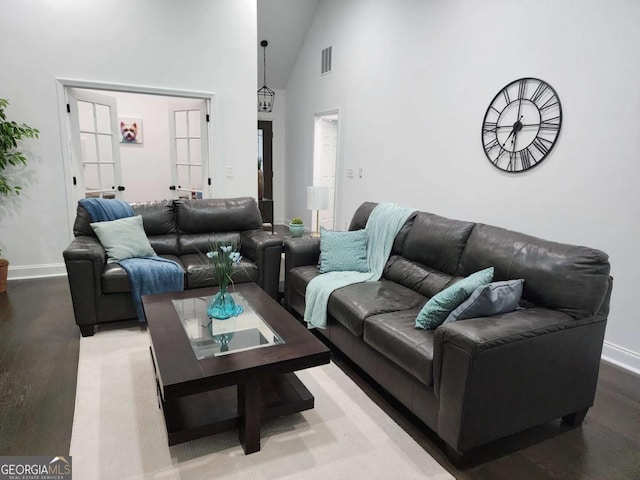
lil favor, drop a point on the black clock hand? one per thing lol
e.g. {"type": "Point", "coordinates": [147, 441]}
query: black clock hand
{"type": "Point", "coordinates": [514, 130]}
{"type": "Point", "coordinates": [507, 139]}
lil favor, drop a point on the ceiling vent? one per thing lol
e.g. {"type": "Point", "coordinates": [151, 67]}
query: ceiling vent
{"type": "Point", "coordinates": [326, 61]}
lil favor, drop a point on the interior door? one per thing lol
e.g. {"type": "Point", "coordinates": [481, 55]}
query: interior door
{"type": "Point", "coordinates": [325, 159]}
{"type": "Point", "coordinates": [94, 144]}
{"type": "Point", "coordinates": [188, 128]}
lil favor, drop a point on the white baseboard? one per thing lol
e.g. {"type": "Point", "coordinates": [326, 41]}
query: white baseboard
{"type": "Point", "coordinates": [623, 357]}
{"type": "Point", "coordinates": [22, 272]}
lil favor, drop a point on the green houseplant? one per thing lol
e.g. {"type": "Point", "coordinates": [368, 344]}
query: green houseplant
{"type": "Point", "coordinates": [10, 157]}
{"type": "Point", "coordinates": [296, 227]}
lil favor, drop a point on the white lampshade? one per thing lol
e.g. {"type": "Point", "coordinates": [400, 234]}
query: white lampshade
{"type": "Point", "coordinates": [318, 198]}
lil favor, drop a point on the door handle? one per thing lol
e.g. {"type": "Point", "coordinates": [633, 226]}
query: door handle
{"type": "Point", "coordinates": [172, 187]}
{"type": "Point", "coordinates": [120, 188]}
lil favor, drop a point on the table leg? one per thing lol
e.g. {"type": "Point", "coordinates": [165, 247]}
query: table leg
{"type": "Point", "coordinates": [249, 405]}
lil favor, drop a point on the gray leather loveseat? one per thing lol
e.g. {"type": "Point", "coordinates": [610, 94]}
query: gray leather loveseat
{"type": "Point", "coordinates": [475, 380]}
{"type": "Point", "coordinates": [178, 230]}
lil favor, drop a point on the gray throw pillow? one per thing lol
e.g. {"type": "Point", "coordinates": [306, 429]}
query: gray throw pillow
{"type": "Point", "coordinates": [123, 238]}
{"type": "Point", "coordinates": [487, 300]}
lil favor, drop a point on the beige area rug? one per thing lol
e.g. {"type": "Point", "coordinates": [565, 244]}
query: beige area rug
{"type": "Point", "coordinates": [119, 433]}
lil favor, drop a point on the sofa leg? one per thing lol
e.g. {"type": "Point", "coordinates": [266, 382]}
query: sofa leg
{"type": "Point", "coordinates": [87, 330]}
{"type": "Point", "coordinates": [456, 458]}
{"type": "Point", "coordinates": [574, 419]}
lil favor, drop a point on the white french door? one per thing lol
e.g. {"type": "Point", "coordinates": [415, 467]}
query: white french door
{"type": "Point", "coordinates": [189, 141]}
{"type": "Point", "coordinates": [95, 147]}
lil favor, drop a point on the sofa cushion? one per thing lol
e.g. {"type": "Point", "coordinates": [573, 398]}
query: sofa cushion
{"type": "Point", "coordinates": [436, 310]}
{"type": "Point", "coordinates": [158, 217]}
{"type": "Point", "coordinates": [487, 300]}
{"type": "Point", "coordinates": [299, 278]}
{"type": "Point", "coordinates": [165, 244]}
{"type": "Point", "coordinates": [395, 336]}
{"type": "Point", "coordinates": [416, 276]}
{"type": "Point", "coordinates": [350, 305]}
{"type": "Point", "coordinates": [569, 278]}
{"type": "Point", "coordinates": [343, 251]}
{"type": "Point", "coordinates": [201, 242]}
{"type": "Point", "coordinates": [114, 278]}
{"type": "Point", "coordinates": [437, 242]}
{"type": "Point", "coordinates": [217, 215]}
{"type": "Point", "coordinates": [123, 238]}
{"type": "Point", "coordinates": [200, 273]}
{"type": "Point", "coordinates": [361, 216]}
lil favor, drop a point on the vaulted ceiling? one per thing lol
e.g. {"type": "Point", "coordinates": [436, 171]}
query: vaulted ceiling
{"type": "Point", "coordinates": [284, 24]}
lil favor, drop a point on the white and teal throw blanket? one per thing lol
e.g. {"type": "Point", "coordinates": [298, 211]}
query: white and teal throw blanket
{"type": "Point", "coordinates": [383, 225]}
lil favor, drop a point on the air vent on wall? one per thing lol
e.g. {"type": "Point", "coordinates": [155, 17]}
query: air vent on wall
{"type": "Point", "coordinates": [326, 61]}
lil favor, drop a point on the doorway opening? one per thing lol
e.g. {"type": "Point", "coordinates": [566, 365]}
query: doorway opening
{"type": "Point", "coordinates": [265, 171]}
{"type": "Point", "coordinates": [135, 143]}
{"type": "Point", "coordinates": [325, 160]}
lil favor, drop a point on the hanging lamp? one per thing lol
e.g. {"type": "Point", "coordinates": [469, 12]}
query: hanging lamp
{"type": "Point", "coordinates": [265, 94]}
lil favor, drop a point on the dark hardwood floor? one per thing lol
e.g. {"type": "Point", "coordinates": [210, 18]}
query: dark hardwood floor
{"type": "Point", "coordinates": [39, 346]}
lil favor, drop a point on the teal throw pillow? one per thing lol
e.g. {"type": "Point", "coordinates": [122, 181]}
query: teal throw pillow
{"type": "Point", "coordinates": [436, 310]}
{"type": "Point", "coordinates": [343, 251]}
{"type": "Point", "coordinates": [492, 299]}
{"type": "Point", "coordinates": [123, 238]}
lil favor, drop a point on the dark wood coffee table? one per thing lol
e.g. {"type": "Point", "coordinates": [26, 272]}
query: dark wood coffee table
{"type": "Point", "coordinates": [228, 374]}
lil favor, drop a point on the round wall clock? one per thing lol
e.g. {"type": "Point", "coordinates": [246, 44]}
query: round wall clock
{"type": "Point", "coordinates": [521, 125]}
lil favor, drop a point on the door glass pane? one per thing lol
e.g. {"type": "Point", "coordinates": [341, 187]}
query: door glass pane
{"type": "Point", "coordinates": [194, 123]}
{"type": "Point", "coordinates": [85, 117]}
{"type": "Point", "coordinates": [183, 176]}
{"type": "Point", "coordinates": [194, 152]}
{"type": "Point", "coordinates": [103, 118]}
{"type": "Point", "coordinates": [90, 176]}
{"type": "Point", "coordinates": [196, 178]}
{"type": "Point", "coordinates": [88, 143]}
{"type": "Point", "coordinates": [105, 148]}
{"type": "Point", "coordinates": [182, 150]}
{"type": "Point", "coordinates": [181, 123]}
{"type": "Point", "coordinates": [107, 177]}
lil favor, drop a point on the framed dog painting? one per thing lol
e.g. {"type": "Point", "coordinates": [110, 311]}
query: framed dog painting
{"type": "Point", "coordinates": [130, 130]}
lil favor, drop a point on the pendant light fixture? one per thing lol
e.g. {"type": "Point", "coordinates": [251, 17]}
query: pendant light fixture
{"type": "Point", "coordinates": [265, 94]}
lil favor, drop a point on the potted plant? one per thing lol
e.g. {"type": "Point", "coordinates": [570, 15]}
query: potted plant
{"type": "Point", "coordinates": [10, 133]}
{"type": "Point", "coordinates": [296, 227]}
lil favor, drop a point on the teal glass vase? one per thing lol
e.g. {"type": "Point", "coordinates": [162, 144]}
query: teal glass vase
{"type": "Point", "coordinates": [223, 306]}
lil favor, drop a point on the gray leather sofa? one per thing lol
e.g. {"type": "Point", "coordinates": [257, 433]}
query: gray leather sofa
{"type": "Point", "coordinates": [178, 230]}
{"type": "Point", "coordinates": [476, 380]}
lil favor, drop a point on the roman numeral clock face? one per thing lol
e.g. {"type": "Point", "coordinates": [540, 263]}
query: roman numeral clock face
{"type": "Point", "coordinates": [521, 125]}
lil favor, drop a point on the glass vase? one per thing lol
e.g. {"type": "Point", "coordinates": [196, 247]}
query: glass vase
{"type": "Point", "coordinates": [222, 305]}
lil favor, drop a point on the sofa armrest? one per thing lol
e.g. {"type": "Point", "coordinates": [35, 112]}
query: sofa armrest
{"type": "Point", "coordinates": [298, 252]}
{"type": "Point", "coordinates": [85, 258]}
{"type": "Point", "coordinates": [495, 376]}
{"type": "Point", "coordinates": [85, 248]}
{"type": "Point", "coordinates": [265, 250]}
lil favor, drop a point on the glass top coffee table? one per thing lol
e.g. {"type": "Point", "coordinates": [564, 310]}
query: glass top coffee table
{"type": "Point", "coordinates": [216, 375]}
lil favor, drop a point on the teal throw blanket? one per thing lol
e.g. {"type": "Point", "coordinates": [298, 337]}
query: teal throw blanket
{"type": "Point", "coordinates": [383, 225]}
{"type": "Point", "coordinates": [151, 275]}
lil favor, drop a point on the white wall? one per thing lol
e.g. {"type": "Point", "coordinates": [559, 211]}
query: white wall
{"type": "Point", "coordinates": [209, 45]}
{"type": "Point", "coordinates": [277, 117]}
{"type": "Point", "coordinates": [413, 80]}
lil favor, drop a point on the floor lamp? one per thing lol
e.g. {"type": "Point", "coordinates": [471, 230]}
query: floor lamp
{"type": "Point", "coordinates": [318, 199]}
